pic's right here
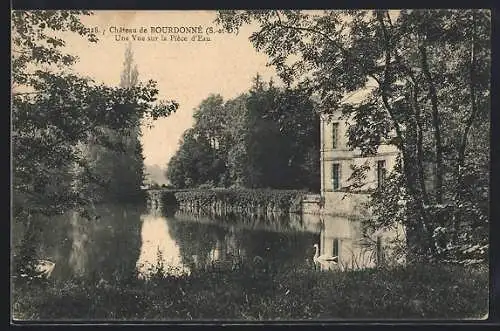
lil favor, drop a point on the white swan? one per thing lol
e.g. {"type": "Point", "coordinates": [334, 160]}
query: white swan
{"type": "Point", "coordinates": [324, 259]}
{"type": "Point", "coordinates": [45, 268]}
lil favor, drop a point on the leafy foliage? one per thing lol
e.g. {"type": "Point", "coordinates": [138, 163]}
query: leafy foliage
{"type": "Point", "coordinates": [56, 114]}
{"type": "Point", "coordinates": [425, 77]}
{"type": "Point", "coordinates": [268, 137]}
{"type": "Point", "coordinates": [244, 199]}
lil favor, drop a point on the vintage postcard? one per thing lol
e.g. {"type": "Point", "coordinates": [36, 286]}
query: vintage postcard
{"type": "Point", "coordinates": [257, 165]}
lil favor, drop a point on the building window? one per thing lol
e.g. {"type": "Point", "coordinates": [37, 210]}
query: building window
{"type": "Point", "coordinates": [336, 176]}
{"type": "Point", "coordinates": [335, 247]}
{"type": "Point", "coordinates": [335, 135]}
{"type": "Point", "coordinates": [380, 173]}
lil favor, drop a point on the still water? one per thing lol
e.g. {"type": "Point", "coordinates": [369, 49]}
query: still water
{"type": "Point", "coordinates": [131, 241]}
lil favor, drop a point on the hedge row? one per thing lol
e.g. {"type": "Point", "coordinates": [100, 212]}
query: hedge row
{"type": "Point", "coordinates": [236, 198]}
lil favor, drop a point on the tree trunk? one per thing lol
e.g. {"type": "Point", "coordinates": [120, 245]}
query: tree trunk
{"type": "Point", "coordinates": [435, 124]}
{"type": "Point", "coordinates": [418, 228]}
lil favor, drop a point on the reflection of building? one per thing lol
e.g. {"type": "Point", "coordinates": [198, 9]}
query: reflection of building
{"type": "Point", "coordinates": [336, 239]}
{"type": "Point", "coordinates": [343, 237]}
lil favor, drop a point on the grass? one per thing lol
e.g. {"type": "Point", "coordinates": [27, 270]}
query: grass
{"type": "Point", "coordinates": [412, 292]}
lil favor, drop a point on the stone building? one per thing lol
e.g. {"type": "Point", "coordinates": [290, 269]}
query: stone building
{"type": "Point", "coordinates": [336, 160]}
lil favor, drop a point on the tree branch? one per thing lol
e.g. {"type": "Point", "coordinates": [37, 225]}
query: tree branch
{"type": "Point", "coordinates": [416, 111]}
{"type": "Point", "coordinates": [385, 84]}
{"type": "Point", "coordinates": [324, 35]}
{"type": "Point", "coordinates": [61, 140]}
{"type": "Point", "coordinates": [470, 120]}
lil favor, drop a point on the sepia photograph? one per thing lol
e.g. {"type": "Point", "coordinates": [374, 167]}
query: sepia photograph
{"type": "Point", "coordinates": [250, 165]}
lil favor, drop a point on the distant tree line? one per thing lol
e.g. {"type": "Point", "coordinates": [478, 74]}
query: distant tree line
{"type": "Point", "coordinates": [266, 138]}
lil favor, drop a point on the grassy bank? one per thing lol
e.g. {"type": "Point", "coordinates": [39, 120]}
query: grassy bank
{"type": "Point", "coordinates": [254, 294]}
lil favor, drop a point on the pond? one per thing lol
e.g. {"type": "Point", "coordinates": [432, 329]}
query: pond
{"type": "Point", "coordinates": [134, 241]}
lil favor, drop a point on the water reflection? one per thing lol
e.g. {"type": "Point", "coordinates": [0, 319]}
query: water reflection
{"type": "Point", "coordinates": [159, 252]}
{"type": "Point", "coordinates": [199, 243]}
{"type": "Point", "coordinates": [355, 249]}
{"type": "Point", "coordinates": [127, 241]}
{"type": "Point", "coordinates": [78, 255]}
{"type": "Point", "coordinates": [106, 248]}
{"type": "Point", "coordinates": [202, 242]}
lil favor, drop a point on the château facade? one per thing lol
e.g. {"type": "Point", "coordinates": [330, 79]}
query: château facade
{"type": "Point", "coordinates": [336, 168]}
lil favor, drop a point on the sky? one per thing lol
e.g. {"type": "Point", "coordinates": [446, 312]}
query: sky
{"type": "Point", "coordinates": [186, 71]}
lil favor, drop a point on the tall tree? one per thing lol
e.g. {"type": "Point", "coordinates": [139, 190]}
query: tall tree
{"type": "Point", "coordinates": [130, 74]}
{"type": "Point", "coordinates": [202, 156]}
{"type": "Point", "coordinates": [125, 168]}
{"type": "Point", "coordinates": [237, 154]}
{"type": "Point", "coordinates": [195, 163]}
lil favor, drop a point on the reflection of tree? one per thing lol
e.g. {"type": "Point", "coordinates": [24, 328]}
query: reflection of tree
{"type": "Point", "coordinates": [106, 247]}
{"type": "Point", "coordinates": [202, 244]}
{"type": "Point", "coordinates": [79, 236]}
{"type": "Point", "coordinates": [280, 249]}
{"type": "Point", "coordinates": [54, 244]}
{"type": "Point", "coordinates": [196, 241]}
{"type": "Point", "coordinates": [119, 241]}
{"type": "Point", "coordinates": [233, 244]}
